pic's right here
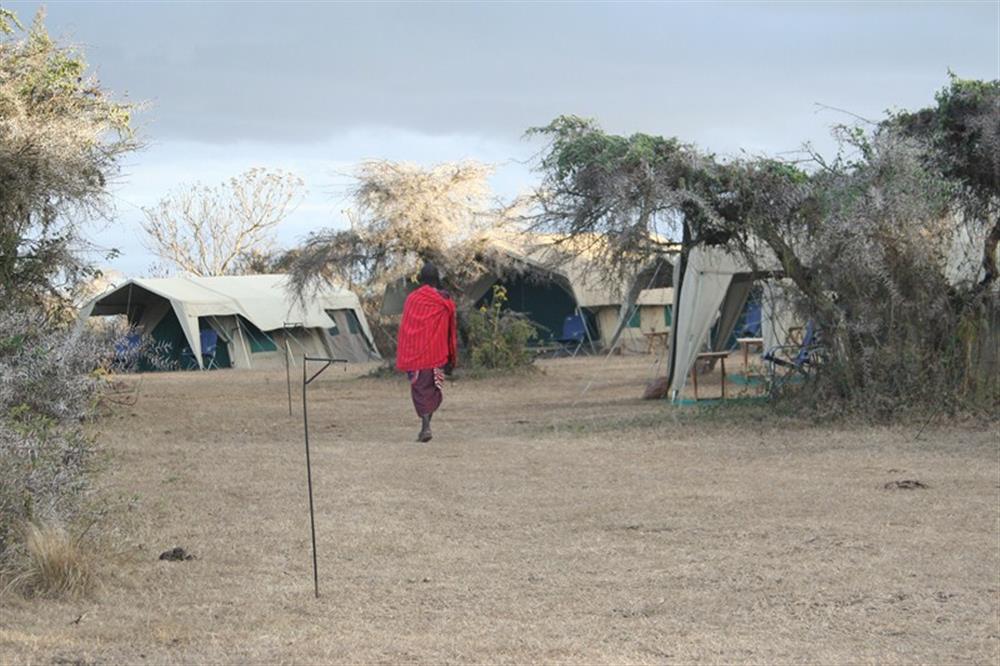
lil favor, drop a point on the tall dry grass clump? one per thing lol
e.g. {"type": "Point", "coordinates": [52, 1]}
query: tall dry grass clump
{"type": "Point", "coordinates": [51, 563]}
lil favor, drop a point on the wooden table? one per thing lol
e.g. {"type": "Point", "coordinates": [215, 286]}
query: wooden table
{"type": "Point", "coordinates": [745, 344]}
{"type": "Point", "coordinates": [721, 356]}
{"type": "Point", "coordinates": [653, 337]}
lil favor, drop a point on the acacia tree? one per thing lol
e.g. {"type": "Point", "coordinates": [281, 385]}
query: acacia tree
{"type": "Point", "coordinates": [864, 239]}
{"type": "Point", "coordinates": [62, 140]}
{"type": "Point", "coordinates": [636, 196]}
{"type": "Point", "coordinates": [628, 202]}
{"type": "Point", "coordinates": [962, 138]}
{"type": "Point", "coordinates": [869, 238]}
{"type": "Point", "coordinates": [224, 229]}
{"type": "Point", "coordinates": [403, 215]}
{"type": "Point", "coordinates": [865, 242]}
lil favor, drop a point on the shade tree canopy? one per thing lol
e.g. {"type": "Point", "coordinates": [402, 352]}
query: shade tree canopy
{"type": "Point", "coordinates": [864, 237]}
{"type": "Point", "coordinates": [402, 215]}
{"type": "Point", "coordinates": [961, 135]}
{"type": "Point", "coordinates": [636, 196]}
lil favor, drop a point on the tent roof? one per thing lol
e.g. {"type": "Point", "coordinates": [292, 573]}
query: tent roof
{"type": "Point", "coordinates": [661, 296]}
{"type": "Point", "coordinates": [571, 259]}
{"type": "Point", "coordinates": [264, 300]}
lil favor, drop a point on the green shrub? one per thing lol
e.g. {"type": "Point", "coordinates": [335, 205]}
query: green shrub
{"type": "Point", "coordinates": [498, 337]}
{"type": "Point", "coordinates": [51, 386]}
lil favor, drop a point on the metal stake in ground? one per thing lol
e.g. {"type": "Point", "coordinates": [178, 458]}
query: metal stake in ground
{"type": "Point", "coordinates": [306, 380]}
{"type": "Point", "coordinates": [288, 355]}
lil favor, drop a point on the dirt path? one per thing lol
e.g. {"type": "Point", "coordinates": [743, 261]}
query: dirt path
{"type": "Point", "coordinates": [541, 524]}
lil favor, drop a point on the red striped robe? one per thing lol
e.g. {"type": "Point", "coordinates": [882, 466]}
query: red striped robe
{"type": "Point", "coordinates": [428, 336]}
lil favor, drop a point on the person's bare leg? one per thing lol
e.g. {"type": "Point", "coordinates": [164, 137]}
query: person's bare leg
{"type": "Point", "coordinates": [425, 429]}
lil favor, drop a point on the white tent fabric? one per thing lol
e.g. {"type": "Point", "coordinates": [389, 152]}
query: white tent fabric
{"type": "Point", "coordinates": [659, 296]}
{"type": "Point", "coordinates": [264, 300]}
{"type": "Point", "coordinates": [706, 281]}
{"type": "Point", "coordinates": [700, 292]}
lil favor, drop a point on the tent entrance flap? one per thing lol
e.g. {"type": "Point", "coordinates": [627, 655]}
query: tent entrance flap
{"type": "Point", "coordinates": [732, 308]}
{"type": "Point", "coordinates": [699, 303]}
{"type": "Point", "coordinates": [713, 282]}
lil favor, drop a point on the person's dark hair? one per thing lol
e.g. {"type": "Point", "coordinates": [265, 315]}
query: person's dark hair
{"type": "Point", "coordinates": [429, 275]}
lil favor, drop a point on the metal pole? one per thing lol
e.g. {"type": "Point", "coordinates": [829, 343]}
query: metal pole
{"type": "Point", "coordinates": [306, 380]}
{"type": "Point", "coordinates": [309, 477]}
{"type": "Point", "coordinates": [288, 373]}
{"type": "Point", "coordinates": [586, 329]}
{"type": "Point", "coordinates": [286, 334]}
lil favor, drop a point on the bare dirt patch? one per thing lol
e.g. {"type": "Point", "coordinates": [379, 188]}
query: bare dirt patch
{"type": "Point", "coordinates": [542, 523]}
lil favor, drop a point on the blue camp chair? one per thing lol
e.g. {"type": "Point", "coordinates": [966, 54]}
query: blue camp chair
{"type": "Point", "coordinates": [751, 322]}
{"type": "Point", "coordinates": [209, 343]}
{"type": "Point", "coordinates": [574, 334]}
{"type": "Point", "coordinates": [796, 360]}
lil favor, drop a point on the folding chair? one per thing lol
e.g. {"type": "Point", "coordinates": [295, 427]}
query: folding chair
{"type": "Point", "coordinates": [751, 324]}
{"type": "Point", "coordinates": [209, 343]}
{"type": "Point", "coordinates": [797, 360]}
{"type": "Point", "coordinates": [574, 334]}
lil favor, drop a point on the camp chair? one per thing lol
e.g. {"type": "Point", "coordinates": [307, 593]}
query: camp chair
{"type": "Point", "coordinates": [796, 360]}
{"type": "Point", "coordinates": [751, 323]}
{"type": "Point", "coordinates": [209, 343]}
{"type": "Point", "coordinates": [574, 334]}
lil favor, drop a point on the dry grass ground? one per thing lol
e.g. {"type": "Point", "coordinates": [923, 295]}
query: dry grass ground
{"type": "Point", "coordinates": [530, 529]}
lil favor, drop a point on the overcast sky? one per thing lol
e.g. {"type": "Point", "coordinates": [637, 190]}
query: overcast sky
{"type": "Point", "coordinates": [315, 86]}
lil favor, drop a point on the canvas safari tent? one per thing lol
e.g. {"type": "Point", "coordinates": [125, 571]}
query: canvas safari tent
{"type": "Point", "coordinates": [256, 318]}
{"type": "Point", "coordinates": [538, 262]}
{"type": "Point", "coordinates": [546, 284]}
{"type": "Point", "coordinates": [650, 319]}
{"type": "Point", "coordinates": [710, 292]}
{"type": "Point", "coordinates": [546, 289]}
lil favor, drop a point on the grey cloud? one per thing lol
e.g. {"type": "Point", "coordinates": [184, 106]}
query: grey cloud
{"type": "Point", "coordinates": [298, 72]}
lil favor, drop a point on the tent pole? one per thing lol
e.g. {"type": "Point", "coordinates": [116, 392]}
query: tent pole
{"type": "Point", "coordinates": [243, 341]}
{"type": "Point", "coordinates": [586, 328]}
{"type": "Point", "coordinates": [680, 270]}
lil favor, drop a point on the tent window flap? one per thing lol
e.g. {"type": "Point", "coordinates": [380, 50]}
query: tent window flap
{"type": "Point", "coordinates": [259, 341]}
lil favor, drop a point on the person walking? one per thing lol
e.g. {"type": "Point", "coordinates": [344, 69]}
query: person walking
{"type": "Point", "coordinates": [427, 345]}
